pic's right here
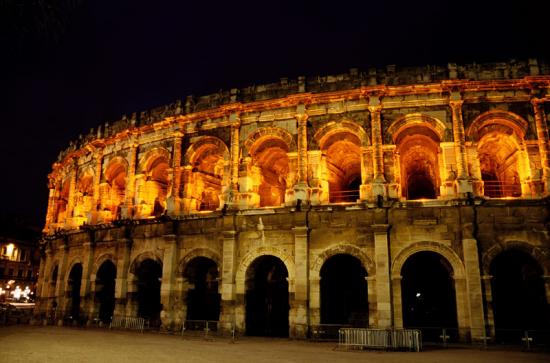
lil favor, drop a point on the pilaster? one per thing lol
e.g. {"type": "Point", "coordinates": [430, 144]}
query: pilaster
{"type": "Point", "coordinates": [131, 182]}
{"type": "Point", "coordinates": [301, 188]}
{"type": "Point", "coordinates": [167, 286]}
{"type": "Point", "coordinates": [464, 184]}
{"type": "Point", "coordinates": [378, 184]}
{"type": "Point", "coordinates": [173, 200]}
{"type": "Point", "coordinates": [473, 281]}
{"type": "Point", "coordinates": [382, 260]}
{"type": "Point", "coordinates": [301, 263]}
{"type": "Point", "coordinates": [542, 139]}
{"type": "Point", "coordinates": [229, 318]}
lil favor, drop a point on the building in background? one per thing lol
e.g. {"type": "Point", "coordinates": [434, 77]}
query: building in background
{"type": "Point", "coordinates": [19, 260]}
{"type": "Point", "coordinates": [391, 198]}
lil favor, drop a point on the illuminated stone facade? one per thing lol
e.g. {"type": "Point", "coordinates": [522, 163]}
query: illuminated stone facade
{"type": "Point", "coordinates": [377, 166]}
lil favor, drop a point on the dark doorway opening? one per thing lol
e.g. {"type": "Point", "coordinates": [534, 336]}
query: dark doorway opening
{"type": "Point", "coordinates": [203, 299]}
{"type": "Point", "coordinates": [105, 290]}
{"type": "Point", "coordinates": [428, 293]}
{"type": "Point", "coordinates": [519, 296]}
{"type": "Point", "coordinates": [149, 274]}
{"type": "Point", "coordinates": [267, 304]}
{"type": "Point", "coordinates": [420, 186]}
{"type": "Point", "coordinates": [75, 281]}
{"type": "Point", "coordinates": [344, 292]}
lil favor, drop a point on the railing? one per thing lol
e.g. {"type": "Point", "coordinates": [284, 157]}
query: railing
{"type": "Point", "coordinates": [343, 196]}
{"type": "Point", "coordinates": [496, 189]}
{"type": "Point", "coordinates": [402, 339]}
{"type": "Point", "coordinates": [200, 327]}
{"type": "Point", "coordinates": [327, 332]}
{"type": "Point", "coordinates": [128, 322]}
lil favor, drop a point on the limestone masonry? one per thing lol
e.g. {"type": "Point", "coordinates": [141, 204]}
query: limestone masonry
{"type": "Point", "coordinates": [278, 209]}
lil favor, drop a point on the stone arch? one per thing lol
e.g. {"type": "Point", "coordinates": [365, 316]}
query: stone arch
{"type": "Point", "coordinates": [240, 276]}
{"type": "Point", "coordinates": [49, 276]}
{"type": "Point", "coordinates": [147, 159]}
{"type": "Point", "coordinates": [203, 142]}
{"type": "Point", "coordinates": [108, 167]}
{"type": "Point", "coordinates": [398, 126]}
{"type": "Point", "coordinates": [198, 252]}
{"type": "Point", "coordinates": [205, 173]}
{"type": "Point", "coordinates": [101, 259]}
{"type": "Point", "coordinates": [535, 252]}
{"type": "Point", "coordinates": [346, 249]}
{"type": "Point", "coordinates": [142, 257]}
{"type": "Point", "coordinates": [509, 122]}
{"type": "Point", "coordinates": [324, 133]}
{"type": "Point", "coordinates": [444, 251]}
{"type": "Point", "coordinates": [74, 262]}
{"type": "Point", "coordinates": [251, 141]}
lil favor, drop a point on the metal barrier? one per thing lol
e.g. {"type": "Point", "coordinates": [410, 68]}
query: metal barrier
{"type": "Point", "coordinates": [357, 338]}
{"type": "Point", "coordinates": [328, 332]}
{"type": "Point", "coordinates": [128, 322]}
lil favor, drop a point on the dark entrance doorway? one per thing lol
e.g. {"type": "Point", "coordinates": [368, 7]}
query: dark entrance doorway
{"type": "Point", "coordinates": [344, 292]}
{"type": "Point", "coordinates": [428, 294]}
{"type": "Point", "coordinates": [149, 274]}
{"type": "Point", "coordinates": [519, 296]}
{"type": "Point", "coordinates": [105, 290]}
{"type": "Point", "coordinates": [267, 304]}
{"type": "Point", "coordinates": [203, 299]}
{"type": "Point", "coordinates": [74, 283]}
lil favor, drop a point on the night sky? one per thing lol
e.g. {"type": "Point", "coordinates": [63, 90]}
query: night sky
{"type": "Point", "coordinates": [70, 65]}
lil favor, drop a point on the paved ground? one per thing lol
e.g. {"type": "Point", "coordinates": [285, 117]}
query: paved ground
{"type": "Point", "coordinates": [52, 344]}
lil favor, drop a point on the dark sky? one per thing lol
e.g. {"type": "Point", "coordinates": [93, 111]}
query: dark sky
{"type": "Point", "coordinates": [70, 65]}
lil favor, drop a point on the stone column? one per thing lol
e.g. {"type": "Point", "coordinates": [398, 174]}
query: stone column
{"type": "Point", "coordinates": [473, 281]}
{"type": "Point", "coordinates": [97, 180]}
{"type": "Point", "coordinates": [124, 249]}
{"type": "Point", "coordinates": [174, 193]}
{"type": "Point", "coordinates": [233, 199]}
{"type": "Point", "coordinates": [371, 296]}
{"type": "Point", "coordinates": [488, 289]}
{"type": "Point", "coordinates": [447, 173]}
{"type": "Point", "coordinates": [301, 188]}
{"type": "Point", "coordinates": [375, 109]}
{"type": "Point", "coordinates": [542, 138]}
{"type": "Point", "coordinates": [397, 302]}
{"type": "Point", "coordinates": [462, 308]}
{"type": "Point", "coordinates": [61, 282]}
{"type": "Point", "coordinates": [130, 182]}
{"type": "Point", "coordinates": [50, 214]}
{"type": "Point", "coordinates": [167, 287]}
{"type": "Point", "coordinates": [86, 299]}
{"type": "Point", "coordinates": [314, 300]}
{"type": "Point", "coordinates": [464, 184]}
{"type": "Point", "coordinates": [547, 288]}
{"type": "Point", "coordinates": [232, 308]}
{"type": "Point", "coordinates": [382, 260]}
{"type": "Point", "coordinates": [300, 304]}
{"type": "Point", "coordinates": [72, 187]}
{"type": "Point", "coordinates": [188, 204]}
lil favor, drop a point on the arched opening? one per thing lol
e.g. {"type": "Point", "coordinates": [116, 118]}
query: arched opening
{"type": "Point", "coordinates": [53, 285]}
{"type": "Point", "coordinates": [203, 298]}
{"type": "Point", "coordinates": [519, 296]}
{"type": "Point", "coordinates": [343, 157]}
{"type": "Point", "coordinates": [267, 303]}
{"type": "Point", "coordinates": [428, 295]}
{"type": "Point", "coordinates": [62, 202]}
{"type": "Point", "coordinates": [207, 164]}
{"type": "Point", "coordinates": [84, 197]}
{"type": "Point", "coordinates": [105, 290]}
{"type": "Point", "coordinates": [344, 292]}
{"type": "Point", "coordinates": [419, 148]}
{"type": "Point", "coordinates": [149, 275]}
{"type": "Point", "coordinates": [498, 157]}
{"type": "Point", "coordinates": [73, 291]}
{"type": "Point", "coordinates": [153, 192]}
{"type": "Point", "coordinates": [270, 170]}
{"type": "Point", "coordinates": [114, 190]}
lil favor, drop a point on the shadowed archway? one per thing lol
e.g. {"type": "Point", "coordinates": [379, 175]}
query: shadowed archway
{"type": "Point", "coordinates": [105, 290]}
{"type": "Point", "coordinates": [267, 304]}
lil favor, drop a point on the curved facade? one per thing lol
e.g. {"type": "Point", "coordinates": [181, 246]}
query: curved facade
{"type": "Point", "coordinates": [278, 208]}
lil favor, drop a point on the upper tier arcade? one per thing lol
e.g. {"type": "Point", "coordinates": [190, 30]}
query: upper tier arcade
{"type": "Point", "coordinates": [433, 133]}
